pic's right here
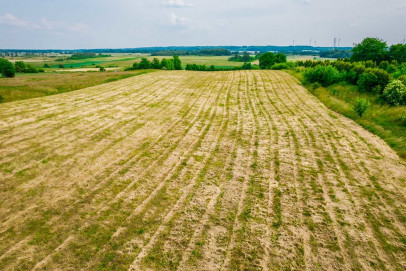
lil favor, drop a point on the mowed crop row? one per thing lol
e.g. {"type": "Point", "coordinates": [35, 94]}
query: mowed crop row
{"type": "Point", "coordinates": [185, 170]}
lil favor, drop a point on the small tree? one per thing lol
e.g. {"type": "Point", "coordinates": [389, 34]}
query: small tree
{"type": "Point", "coordinates": [7, 68]}
{"type": "Point", "coordinates": [144, 64]}
{"type": "Point", "coordinates": [156, 64]}
{"type": "Point", "coordinates": [246, 66]}
{"type": "Point", "coordinates": [177, 63]}
{"type": "Point", "coordinates": [395, 93]}
{"type": "Point", "coordinates": [361, 105]}
{"type": "Point", "coordinates": [102, 69]}
{"type": "Point", "coordinates": [267, 60]}
{"type": "Point", "coordinates": [280, 58]}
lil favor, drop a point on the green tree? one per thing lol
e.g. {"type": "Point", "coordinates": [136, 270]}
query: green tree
{"type": "Point", "coordinates": [156, 64]}
{"type": "Point", "coordinates": [367, 81]}
{"type": "Point", "coordinates": [177, 63]}
{"type": "Point", "coordinates": [167, 64]}
{"type": "Point", "coordinates": [7, 68]}
{"type": "Point", "coordinates": [144, 64]}
{"type": "Point", "coordinates": [266, 60]}
{"type": "Point", "coordinates": [398, 52]}
{"type": "Point", "coordinates": [20, 66]}
{"type": "Point", "coordinates": [246, 66]}
{"type": "Point", "coordinates": [370, 49]}
{"type": "Point", "coordinates": [280, 58]}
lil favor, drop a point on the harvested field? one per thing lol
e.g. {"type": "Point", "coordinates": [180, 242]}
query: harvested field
{"type": "Point", "coordinates": [170, 170]}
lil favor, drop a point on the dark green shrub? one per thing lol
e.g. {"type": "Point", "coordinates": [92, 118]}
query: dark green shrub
{"type": "Point", "coordinates": [383, 77]}
{"type": "Point", "coordinates": [325, 75]}
{"type": "Point", "coordinates": [246, 66]}
{"type": "Point", "coordinates": [395, 93]}
{"type": "Point", "coordinates": [367, 81]}
{"type": "Point", "coordinates": [102, 69]}
{"type": "Point", "coordinates": [315, 85]}
{"type": "Point", "coordinates": [351, 77]}
{"type": "Point", "coordinates": [361, 105]}
{"type": "Point", "coordinates": [31, 69]}
{"type": "Point", "coordinates": [280, 66]}
{"type": "Point", "coordinates": [20, 66]}
{"type": "Point", "coordinates": [7, 68]}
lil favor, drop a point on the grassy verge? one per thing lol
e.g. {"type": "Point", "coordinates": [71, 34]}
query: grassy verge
{"type": "Point", "coordinates": [38, 85]}
{"type": "Point", "coordinates": [389, 123]}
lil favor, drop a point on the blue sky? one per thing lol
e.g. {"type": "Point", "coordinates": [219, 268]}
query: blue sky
{"type": "Point", "coordinates": [73, 24]}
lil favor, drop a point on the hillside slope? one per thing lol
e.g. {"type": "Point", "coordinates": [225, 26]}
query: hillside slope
{"type": "Point", "coordinates": [196, 171]}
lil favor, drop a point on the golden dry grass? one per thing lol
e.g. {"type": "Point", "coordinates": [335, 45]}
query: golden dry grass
{"type": "Point", "coordinates": [182, 170]}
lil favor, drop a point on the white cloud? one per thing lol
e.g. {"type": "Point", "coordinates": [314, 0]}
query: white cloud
{"type": "Point", "coordinates": [176, 4]}
{"type": "Point", "coordinates": [176, 20]}
{"type": "Point", "coordinates": [306, 2]}
{"type": "Point", "coordinates": [58, 26]}
{"type": "Point", "coordinates": [9, 19]}
{"type": "Point", "coordinates": [43, 24]}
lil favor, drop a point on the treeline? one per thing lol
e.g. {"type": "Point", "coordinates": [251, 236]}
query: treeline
{"type": "Point", "coordinates": [245, 57]}
{"type": "Point", "coordinates": [266, 61]}
{"type": "Point", "coordinates": [78, 56]}
{"type": "Point", "coordinates": [21, 67]}
{"type": "Point", "coordinates": [167, 64]}
{"type": "Point", "coordinates": [245, 66]}
{"type": "Point", "coordinates": [336, 54]}
{"type": "Point", "coordinates": [203, 52]}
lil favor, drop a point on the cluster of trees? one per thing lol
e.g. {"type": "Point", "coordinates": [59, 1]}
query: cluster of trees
{"type": "Point", "coordinates": [214, 52]}
{"type": "Point", "coordinates": [20, 66]}
{"type": "Point", "coordinates": [267, 60]}
{"type": "Point", "coordinates": [8, 69]}
{"type": "Point", "coordinates": [80, 55]}
{"type": "Point", "coordinates": [384, 79]}
{"type": "Point", "coordinates": [245, 57]}
{"type": "Point", "coordinates": [168, 64]}
{"type": "Point", "coordinates": [195, 67]}
{"type": "Point", "coordinates": [377, 50]}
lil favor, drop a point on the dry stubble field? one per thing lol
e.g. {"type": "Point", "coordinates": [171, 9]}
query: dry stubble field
{"type": "Point", "coordinates": [196, 171]}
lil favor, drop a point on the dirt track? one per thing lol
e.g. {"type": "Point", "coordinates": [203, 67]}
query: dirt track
{"type": "Point", "coordinates": [196, 171]}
